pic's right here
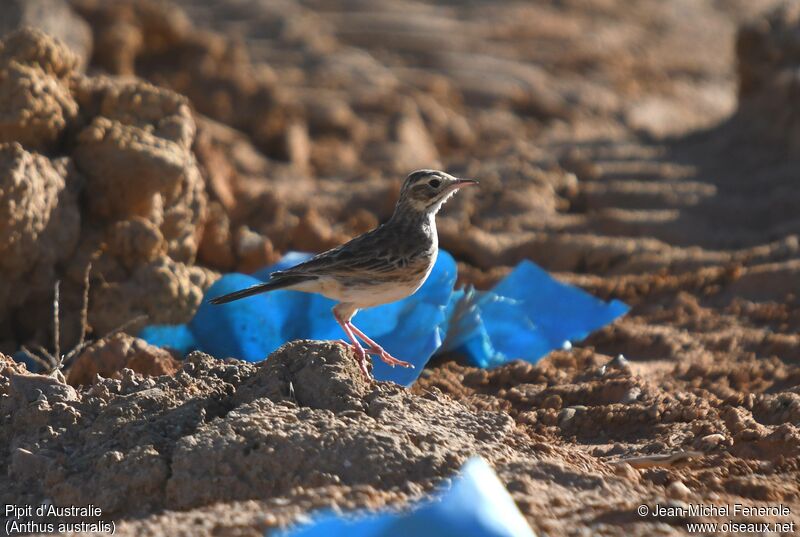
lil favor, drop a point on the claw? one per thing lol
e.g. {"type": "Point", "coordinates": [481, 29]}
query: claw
{"type": "Point", "coordinates": [389, 359]}
{"type": "Point", "coordinates": [361, 358]}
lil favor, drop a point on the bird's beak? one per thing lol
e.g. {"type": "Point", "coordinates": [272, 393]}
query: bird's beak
{"type": "Point", "coordinates": [465, 182]}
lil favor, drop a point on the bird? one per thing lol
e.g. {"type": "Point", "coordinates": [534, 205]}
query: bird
{"type": "Point", "coordinates": [380, 266]}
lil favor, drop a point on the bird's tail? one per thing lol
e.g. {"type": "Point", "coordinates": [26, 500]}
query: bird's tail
{"type": "Point", "coordinates": [276, 282]}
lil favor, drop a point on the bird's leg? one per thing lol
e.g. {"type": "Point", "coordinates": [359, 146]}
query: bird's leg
{"type": "Point", "coordinates": [350, 346]}
{"type": "Point", "coordinates": [361, 355]}
{"type": "Point", "coordinates": [374, 348]}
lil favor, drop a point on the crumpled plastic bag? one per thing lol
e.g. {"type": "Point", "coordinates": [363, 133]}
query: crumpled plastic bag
{"type": "Point", "coordinates": [476, 505]}
{"type": "Point", "coordinates": [526, 315]}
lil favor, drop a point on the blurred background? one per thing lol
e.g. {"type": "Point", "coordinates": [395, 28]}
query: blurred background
{"type": "Point", "coordinates": [612, 138]}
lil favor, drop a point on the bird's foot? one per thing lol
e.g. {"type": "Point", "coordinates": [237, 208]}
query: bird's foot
{"type": "Point", "coordinates": [372, 347]}
{"type": "Point", "coordinates": [388, 358]}
{"type": "Point", "coordinates": [361, 357]}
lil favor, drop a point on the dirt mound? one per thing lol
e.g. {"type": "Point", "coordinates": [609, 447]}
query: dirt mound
{"type": "Point", "coordinates": [220, 431]}
{"type": "Point", "coordinates": [98, 168]}
{"type": "Point", "coordinates": [109, 356]}
{"type": "Point", "coordinates": [304, 429]}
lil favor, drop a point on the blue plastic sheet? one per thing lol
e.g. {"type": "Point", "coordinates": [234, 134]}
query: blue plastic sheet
{"type": "Point", "coordinates": [31, 365]}
{"type": "Point", "coordinates": [477, 505]}
{"type": "Point", "coordinates": [526, 315]}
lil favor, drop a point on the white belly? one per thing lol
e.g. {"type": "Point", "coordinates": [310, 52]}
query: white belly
{"type": "Point", "coordinates": [368, 296]}
{"type": "Point", "coordinates": [364, 296]}
{"type": "Point", "coordinates": [374, 295]}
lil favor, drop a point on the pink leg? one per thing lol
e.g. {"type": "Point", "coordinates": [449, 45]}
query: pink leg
{"type": "Point", "coordinates": [350, 345]}
{"type": "Point", "coordinates": [374, 348]}
{"type": "Point", "coordinates": [361, 355]}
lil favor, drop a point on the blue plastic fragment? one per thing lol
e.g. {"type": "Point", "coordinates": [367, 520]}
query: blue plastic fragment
{"type": "Point", "coordinates": [526, 315]}
{"type": "Point", "coordinates": [476, 505]}
{"type": "Point", "coordinates": [177, 337]}
{"type": "Point", "coordinates": [33, 366]}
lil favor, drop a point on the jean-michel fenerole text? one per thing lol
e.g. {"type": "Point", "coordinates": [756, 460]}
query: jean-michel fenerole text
{"type": "Point", "coordinates": [723, 510]}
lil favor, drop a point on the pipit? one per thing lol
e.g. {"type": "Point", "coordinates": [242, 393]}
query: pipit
{"type": "Point", "coordinates": [383, 265]}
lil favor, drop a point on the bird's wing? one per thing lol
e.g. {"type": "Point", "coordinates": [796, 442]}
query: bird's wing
{"type": "Point", "coordinates": [370, 253]}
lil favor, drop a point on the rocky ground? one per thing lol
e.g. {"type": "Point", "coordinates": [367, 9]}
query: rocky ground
{"type": "Point", "coordinates": [643, 150]}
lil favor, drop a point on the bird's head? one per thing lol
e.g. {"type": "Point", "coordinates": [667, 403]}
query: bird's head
{"type": "Point", "coordinates": [425, 191]}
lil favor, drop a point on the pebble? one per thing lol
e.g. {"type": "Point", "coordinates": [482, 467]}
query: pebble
{"type": "Point", "coordinates": [565, 416]}
{"type": "Point", "coordinates": [631, 395]}
{"type": "Point", "coordinates": [620, 362]}
{"type": "Point", "coordinates": [712, 440]}
{"type": "Point", "coordinates": [626, 471]}
{"type": "Point", "coordinates": [552, 401]}
{"type": "Point", "coordinates": [678, 490]}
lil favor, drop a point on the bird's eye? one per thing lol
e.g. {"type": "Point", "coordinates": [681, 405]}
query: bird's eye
{"type": "Point", "coordinates": [434, 183]}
